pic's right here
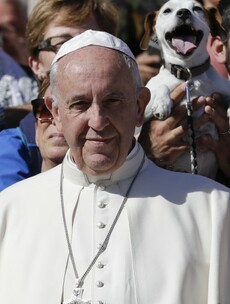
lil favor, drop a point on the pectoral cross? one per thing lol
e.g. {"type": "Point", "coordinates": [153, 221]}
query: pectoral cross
{"type": "Point", "coordinates": [77, 297]}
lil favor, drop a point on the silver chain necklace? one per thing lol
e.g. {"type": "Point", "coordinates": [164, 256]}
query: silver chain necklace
{"type": "Point", "coordinates": [76, 298]}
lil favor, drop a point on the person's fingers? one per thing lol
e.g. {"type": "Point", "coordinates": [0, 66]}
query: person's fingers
{"type": "Point", "coordinates": [178, 94]}
{"type": "Point", "coordinates": [219, 100]}
{"type": "Point", "coordinates": [169, 157]}
{"type": "Point", "coordinates": [217, 104]}
{"type": "Point", "coordinates": [219, 117]}
{"type": "Point", "coordinates": [178, 132]}
{"type": "Point", "coordinates": [178, 115]}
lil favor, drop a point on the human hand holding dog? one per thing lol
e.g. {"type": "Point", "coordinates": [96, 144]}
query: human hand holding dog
{"type": "Point", "coordinates": [216, 111]}
{"type": "Point", "coordinates": [162, 139]}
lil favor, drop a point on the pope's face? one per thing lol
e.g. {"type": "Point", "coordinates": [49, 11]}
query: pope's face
{"type": "Point", "coordinates": [98, 108]}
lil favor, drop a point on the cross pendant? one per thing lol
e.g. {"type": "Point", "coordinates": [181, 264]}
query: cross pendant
{"type": "Point", "coordinates": [77, 298]}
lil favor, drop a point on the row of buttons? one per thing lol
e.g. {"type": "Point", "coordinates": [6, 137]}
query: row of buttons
{"type": "Point", "coordinates": [100, 225]}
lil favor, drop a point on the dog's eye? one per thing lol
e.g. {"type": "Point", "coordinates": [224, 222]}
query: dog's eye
{"type": "Point", "coordinates": [167, 11]}
{"type": "Point", "coordinates": [197, 9]}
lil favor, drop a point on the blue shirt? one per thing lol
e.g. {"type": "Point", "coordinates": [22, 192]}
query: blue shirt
{"type": "Point", "coordinates": [19, 155]}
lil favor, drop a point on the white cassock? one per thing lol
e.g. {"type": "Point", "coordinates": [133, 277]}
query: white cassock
{"type": "Point", "coordinates": [171, 244]}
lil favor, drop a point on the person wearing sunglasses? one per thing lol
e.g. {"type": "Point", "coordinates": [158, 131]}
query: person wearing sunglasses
{"type": "Point", "coordinates": [51, 143]}
{"type": "Point", "coordinates": [51, 23]}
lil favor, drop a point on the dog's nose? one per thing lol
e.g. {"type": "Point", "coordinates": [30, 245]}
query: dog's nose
{"type": "Point", "coordinates": [184, 13]}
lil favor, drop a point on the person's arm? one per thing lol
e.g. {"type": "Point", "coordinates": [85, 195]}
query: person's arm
{"type": "Point", "coordinates": [14, 158]}
{"type": "Point", "coordinates": [216, 110]}
{"type": "Point", "coordinates": [162, 140]}
{"type": "Point", "coordinates": [148, 65]}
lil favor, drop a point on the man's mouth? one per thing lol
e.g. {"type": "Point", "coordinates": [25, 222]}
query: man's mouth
{"type": "Point", "coordinates": [184, 39]}
{"type": "Point", "coordinates": [99, 140]}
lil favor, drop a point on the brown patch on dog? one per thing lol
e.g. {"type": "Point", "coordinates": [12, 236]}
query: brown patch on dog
{"type": "Point", "coordinates": [149, 25]}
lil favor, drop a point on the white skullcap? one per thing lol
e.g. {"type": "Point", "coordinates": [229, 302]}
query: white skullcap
{"type": "Point", "coordinates": [91, 37]}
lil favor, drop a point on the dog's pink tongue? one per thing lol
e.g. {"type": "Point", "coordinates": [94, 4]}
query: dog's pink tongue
{"type": "Point", "coordinates": [184, 44]}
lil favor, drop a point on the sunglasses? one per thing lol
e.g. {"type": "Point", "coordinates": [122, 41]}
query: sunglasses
{"type": "Point", "coordinates": [52, 44]}
{"type": "Point", "coordinates": [41, 113]}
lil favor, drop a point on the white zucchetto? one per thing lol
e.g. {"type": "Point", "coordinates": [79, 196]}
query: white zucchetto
{"type": "Point", "coordinates": [91, 37]}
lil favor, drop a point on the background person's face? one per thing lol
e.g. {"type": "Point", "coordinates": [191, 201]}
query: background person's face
{"type": "Point", "coordinates": [98, 108]}
{"type": "Point", "coordinates": [51, 142]}
{"type": "Point", "coordinates": [41, 65]}
{"type": "Point", "coordinates": [12, 29]}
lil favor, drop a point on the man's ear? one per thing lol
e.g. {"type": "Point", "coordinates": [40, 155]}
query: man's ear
{"type": "Point", "coordinates": [143, 99]}
{"type": "Point", "coordinates": [53, 108]}
{"type": "Point", "coordinates": [218, 49]}
{"type": "Point", "coordinates": [37, 68]}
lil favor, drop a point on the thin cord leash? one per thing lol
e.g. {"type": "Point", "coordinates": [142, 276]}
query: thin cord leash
{"type": "Point", "coordinates": [78, 291]}
{"type": "Point", "coordinates": [193, 150]}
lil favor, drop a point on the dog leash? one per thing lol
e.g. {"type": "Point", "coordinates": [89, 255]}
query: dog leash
{"type": "Point", "coordinates": [193, 151]}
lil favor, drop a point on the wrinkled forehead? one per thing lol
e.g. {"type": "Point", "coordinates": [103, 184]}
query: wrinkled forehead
{"type": "Point", "coordinates": [174, 5]}
{"type": "Point", "coordinates": [94, 58]}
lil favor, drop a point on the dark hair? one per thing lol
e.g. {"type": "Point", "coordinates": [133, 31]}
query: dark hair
{"type": "Point", "coordinates": [69, 13]}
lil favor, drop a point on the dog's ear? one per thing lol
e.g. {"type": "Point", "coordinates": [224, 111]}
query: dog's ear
{"type": "Point", "coordinates": [149, 25]}
{"type": "Point", "coordinates": [215, 22]}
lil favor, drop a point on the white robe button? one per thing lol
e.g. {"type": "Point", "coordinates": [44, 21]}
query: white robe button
{"type": "Point", "coordinates": [99, 284]}
{"type": "Point", "coordinates": [101, 205]}
{"type": "Point", "coordinates": [101, 225]}
{"type": "Point", "coordinates": [100, 265]}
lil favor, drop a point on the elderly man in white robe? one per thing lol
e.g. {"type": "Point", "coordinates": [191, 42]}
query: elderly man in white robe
{"type": "Point", "coordinates": [107, 225]}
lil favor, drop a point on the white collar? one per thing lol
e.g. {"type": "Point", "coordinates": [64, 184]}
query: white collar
{"type": "Point", "coordinates": [127, 170]}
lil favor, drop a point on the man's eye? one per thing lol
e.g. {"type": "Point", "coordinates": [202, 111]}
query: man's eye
{"type": "Point", "coordinates": [79, 105]}
{"type": "Point", "coordinates": [113, 101]}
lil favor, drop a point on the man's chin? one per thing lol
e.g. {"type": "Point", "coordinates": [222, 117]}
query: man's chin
{"type": "Point", "coordinates": [100, 165]}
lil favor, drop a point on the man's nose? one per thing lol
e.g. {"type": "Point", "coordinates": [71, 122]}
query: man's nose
{"type": "Point", "coordinates": [98, 119]}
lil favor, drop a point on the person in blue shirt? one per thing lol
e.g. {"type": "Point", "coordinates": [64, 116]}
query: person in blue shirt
{"type": "Point", "coordinates": [19, 154]}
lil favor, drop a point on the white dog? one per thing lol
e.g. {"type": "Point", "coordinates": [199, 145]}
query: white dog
{"type": "Point", "coordinates": [182, 29]}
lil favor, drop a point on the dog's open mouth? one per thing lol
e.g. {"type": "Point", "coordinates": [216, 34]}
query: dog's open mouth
{"type": "Point", "coordinates": [184, 39]}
